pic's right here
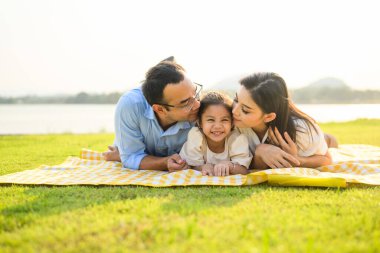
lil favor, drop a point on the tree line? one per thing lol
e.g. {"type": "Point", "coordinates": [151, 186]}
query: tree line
{"type": "Point", "coordinates": [306, 95]}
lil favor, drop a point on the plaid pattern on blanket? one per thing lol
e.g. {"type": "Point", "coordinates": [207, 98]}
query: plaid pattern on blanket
{"type": "Point", "coordinates": [353, 164]}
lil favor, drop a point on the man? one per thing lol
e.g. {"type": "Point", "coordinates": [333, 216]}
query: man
{"type": "Point", "coordinates": [152, 122]}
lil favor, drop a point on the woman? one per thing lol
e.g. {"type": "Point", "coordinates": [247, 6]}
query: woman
{"type": "Point", "coordinates": [279, 134]}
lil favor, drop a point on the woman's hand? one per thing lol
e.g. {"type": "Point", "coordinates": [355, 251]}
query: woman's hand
{"type": "Point", "coordinates": [275, 157]}
{"type": "Point", "coordinates": [287, 145]}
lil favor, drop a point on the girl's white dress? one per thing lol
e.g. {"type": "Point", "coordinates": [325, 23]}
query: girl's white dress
{"type": "Point", "coordinates": [196, 152]}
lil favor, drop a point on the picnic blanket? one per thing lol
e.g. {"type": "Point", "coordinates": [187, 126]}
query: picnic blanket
{"type": "Point", "coordinates": [353, 165]}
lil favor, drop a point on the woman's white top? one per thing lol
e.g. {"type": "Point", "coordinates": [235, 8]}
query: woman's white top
{"type": "Point", "coordinates": [196, 152]}
{"type": "Point", "coordinates": [309, 141]}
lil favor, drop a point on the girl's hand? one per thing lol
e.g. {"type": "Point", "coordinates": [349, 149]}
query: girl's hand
{"type": "Point", "coordinates": [287, 145]}
{"type": "Point", "coordinates": [222, 169]}
{"type": "Point", "coordinates": [207, 170]}
{"type": "Point", "coordinates": [275, 157]}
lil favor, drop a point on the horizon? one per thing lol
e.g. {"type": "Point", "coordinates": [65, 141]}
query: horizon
{"type": "Point", "coordinates": [106, 47]}
{"type": "Point", "coordinates": [207, 87]}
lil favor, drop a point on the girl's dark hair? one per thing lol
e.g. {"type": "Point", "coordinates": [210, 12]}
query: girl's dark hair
{"type": "Point", "coordinates": [268, 90]}
{"type": "Point", "coordinates": [214, 98]}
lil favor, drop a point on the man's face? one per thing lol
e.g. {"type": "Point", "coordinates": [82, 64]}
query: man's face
{"type": "Point", "coordinates": [182, 97]}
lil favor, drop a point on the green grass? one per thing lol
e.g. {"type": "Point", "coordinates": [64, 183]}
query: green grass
{"type": "Point", "coordinates": [182, 219]}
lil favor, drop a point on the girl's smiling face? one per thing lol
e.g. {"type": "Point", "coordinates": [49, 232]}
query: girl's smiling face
{"type": "Point", "coordinates": [247, 113]}
{"type": "Point", "coordinates": [216, 123]}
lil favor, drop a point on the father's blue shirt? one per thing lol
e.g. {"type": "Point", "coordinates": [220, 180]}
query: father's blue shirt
{"type": "Point", "coordinates": [139, 134]}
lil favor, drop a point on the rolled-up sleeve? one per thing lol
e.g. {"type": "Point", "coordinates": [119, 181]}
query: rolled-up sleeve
{"type": "Point", "coordinates": [192, 149]}
{"type": "Point", "coordinates": [310, 139]}
{"type": "Point", "coordinates": [129, 138]}
{"type": "Point", "coordinates": [239, 149]}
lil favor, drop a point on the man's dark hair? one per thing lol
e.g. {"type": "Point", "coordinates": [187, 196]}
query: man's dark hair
{"type": "Point", "coordinates": [158, 77]}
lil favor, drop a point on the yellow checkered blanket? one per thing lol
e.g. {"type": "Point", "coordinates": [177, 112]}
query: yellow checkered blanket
{"type": "Point", "coordinates": [353, 164]}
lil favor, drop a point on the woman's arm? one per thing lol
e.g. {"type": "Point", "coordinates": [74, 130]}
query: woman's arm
{"type": "Point", "coordinates": [288, 145]}
{"type": "Point", "coordinates": [315, 161]}
{"type": "Point", "coordinates": [269, 156]}
{"type": "Point", "coordinates": [258, 163]}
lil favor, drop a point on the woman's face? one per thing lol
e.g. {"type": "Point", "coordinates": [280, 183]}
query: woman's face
{"type": "Point", "coordinates": [246, 112]}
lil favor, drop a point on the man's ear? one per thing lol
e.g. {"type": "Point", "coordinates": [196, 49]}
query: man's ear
{"type": "Point", "coordinates": [269, 117]}
{"type": "Point", "coordinates": [159, 109]}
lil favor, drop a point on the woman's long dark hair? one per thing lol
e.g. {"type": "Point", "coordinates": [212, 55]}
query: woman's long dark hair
{"type": "Point", "coordinates": [270, 93]}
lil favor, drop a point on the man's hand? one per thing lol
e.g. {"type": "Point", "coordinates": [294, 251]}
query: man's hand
{"type": "Point", "coordinates": [112, 154]}
{"type": "Point", "coordinates": [176, 163]}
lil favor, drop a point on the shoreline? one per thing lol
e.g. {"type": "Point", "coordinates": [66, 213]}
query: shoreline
{"type": "Point", "coordinates": [102, 132]}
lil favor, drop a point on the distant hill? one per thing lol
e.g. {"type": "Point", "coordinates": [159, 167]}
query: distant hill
{"type": "Point", "coordinates": [327, 90]}
{"type": "Point", "coordinates": [328, 82]}
{"type": "Point", "coordinates": [229, 83]}
{"type": "Point", "coordinates": [333, 91]}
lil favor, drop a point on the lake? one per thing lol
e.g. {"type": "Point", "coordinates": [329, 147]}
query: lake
{"type": "Point", "coordinates": [48, 118]}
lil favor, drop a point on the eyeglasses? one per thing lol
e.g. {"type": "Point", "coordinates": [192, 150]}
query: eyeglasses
{"type": "Point", "coordinates": [191, 101]}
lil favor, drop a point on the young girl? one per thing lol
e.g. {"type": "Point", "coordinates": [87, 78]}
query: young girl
{"type": "Point", "coordinates": [214, 147]}
{"type": "Point", "coordinates": [264, 113]}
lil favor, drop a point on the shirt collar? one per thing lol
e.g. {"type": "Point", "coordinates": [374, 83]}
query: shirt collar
{"type": "Point", "coordinates": [173, 130]}
{"type": "Point", "coordinates": [265, 136]}
{"type": "Point", "coordinates": [149, 114]}
{"type": "Point", "coordinates": [255, 137]}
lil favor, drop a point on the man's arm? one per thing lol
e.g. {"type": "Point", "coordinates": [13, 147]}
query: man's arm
{"type": "Point", "coordinates": [154, 163]}
{"type": "Point", "coordinates": [129, 138]}
{"type": "Point", "coordinates": [172, 163]}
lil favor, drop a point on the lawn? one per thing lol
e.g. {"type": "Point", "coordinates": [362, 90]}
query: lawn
{"type": "Point", "coordinates": [181, 219]}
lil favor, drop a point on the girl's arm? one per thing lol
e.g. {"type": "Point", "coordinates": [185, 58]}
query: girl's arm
{"type": "Point", "coordinates": [206, 169]}
{"type": "Point", "coordinates": [238, 169]}
{"type": "Point", "coordinates": [192, 151]}
{"type": "Point", "coordinates": [209, 169]}
{"type": "Point", "coordinates": [227, 168]}
{"type": "Point", "coordinates": [240, 155]}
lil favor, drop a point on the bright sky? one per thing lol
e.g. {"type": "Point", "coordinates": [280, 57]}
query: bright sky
{"type": "Point", "coordinates": [53, 46]}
